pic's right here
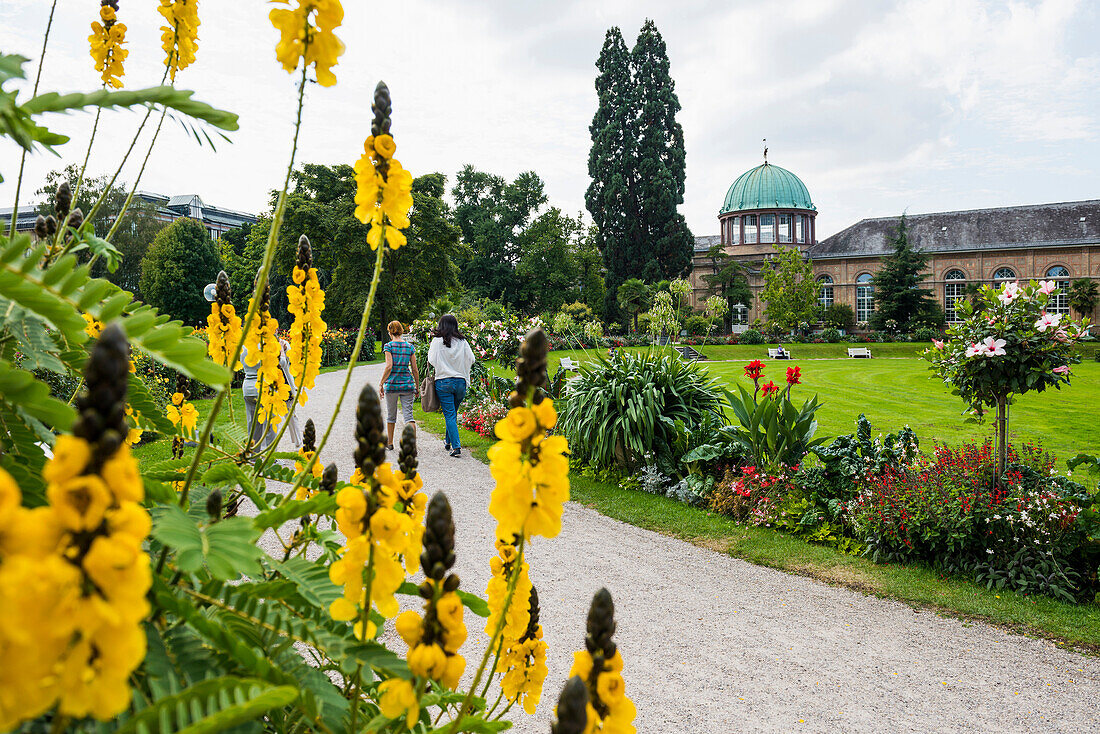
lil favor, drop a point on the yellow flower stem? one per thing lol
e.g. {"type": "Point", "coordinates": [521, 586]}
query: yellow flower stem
{"type": "Point", "coordinates": [491, 709]}
{"type": "Point", "coordinates": [498, 631]}
{"type": "Point", "coordinates": [261, 282]}
{"type": "Point", "coordinates": [493, 669]}
{"type": "Point", "coordinates": [307, 470]}
{"type": "Point", "coordinates": [23, 158]}
{"type": "Point", "coordinates": [107, 189]}
{"type": "Point", "coordinates": [507, 708]}
{"type": "Point", "coordinates": [355, 698]}
{"type": "Point", "coordinates": [137, 179]}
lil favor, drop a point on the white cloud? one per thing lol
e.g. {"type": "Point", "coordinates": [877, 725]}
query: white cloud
{"type": "Point", "coordinates": [928, 104]}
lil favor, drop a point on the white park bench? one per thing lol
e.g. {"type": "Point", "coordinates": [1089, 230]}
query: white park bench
{"type": "Point", "coordinates": [774, 354]}
{"type": "Point", "coordinates": [859, 352]}
{"type": "Point", "coordinates": [569, 365]}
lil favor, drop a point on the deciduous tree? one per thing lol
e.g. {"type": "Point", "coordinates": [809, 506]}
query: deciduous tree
{"type": "Point", "coordinates": [790, 291]}
{"type": "Point", "coordinates": [178, 265]}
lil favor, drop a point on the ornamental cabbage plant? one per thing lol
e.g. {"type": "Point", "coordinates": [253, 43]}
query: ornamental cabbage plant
{"type": "Point", "coordinates": [1007, 344]}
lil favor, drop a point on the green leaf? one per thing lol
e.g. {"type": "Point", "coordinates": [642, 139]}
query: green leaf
{"type": "Point", "coordinates": [213, 705]}
{"type": "Point", "coordinates": [227, 548]}
{"type": "Point", "coordinates": [311, 578]}
{"type": "Point", "coordinates": [176, 99]}
{"type": "Point", "coordinates": [19, 388]}
{"type": "Point", "coordinates": [318, 504]}
{"type": "Point", "coordinates": [143, 403]}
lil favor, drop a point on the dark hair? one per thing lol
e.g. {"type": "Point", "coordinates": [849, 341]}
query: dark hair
{"type": "Point", "coordinates": [448, 329]}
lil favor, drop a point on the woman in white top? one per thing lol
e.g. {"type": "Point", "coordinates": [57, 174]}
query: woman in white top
{"type": "Point", "coordinates": [451, 357]}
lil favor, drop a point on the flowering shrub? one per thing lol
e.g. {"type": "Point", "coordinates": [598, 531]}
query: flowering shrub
{"type": "Point", "coordinates": [496, 339]}
{"type": "Point", "coordinates": [772, 430]}
{"type": "Point", "coordinates": [1026, 530]}
{"type": "Point", "coordinates": [750, 494]}
{"type": "Point", "coordinates": [1008, 345]}
{"type": "Point", "coordinates": [481, 416]}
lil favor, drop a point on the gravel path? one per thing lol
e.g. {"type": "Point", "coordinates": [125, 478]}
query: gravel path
{"type": "Point", "coordinates": [714, 644]}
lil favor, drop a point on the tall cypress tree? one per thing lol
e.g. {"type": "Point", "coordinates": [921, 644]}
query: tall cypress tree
{"type": "Point", "coordinates": [637, 165]}
{"type": "Point", "coordinates": [610, 165]}
{"type": "Point", "coordinates": [898, 295]}
{"type": "Point", "coordinates": [660, 160]}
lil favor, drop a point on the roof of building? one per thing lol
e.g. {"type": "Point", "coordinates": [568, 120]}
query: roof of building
{"type": "Point", "coordinates": [767, 187]}
{"type": "Point", "coordinates": [1038, 225]}
{"type": "Point", "coordinates": [704, 243]}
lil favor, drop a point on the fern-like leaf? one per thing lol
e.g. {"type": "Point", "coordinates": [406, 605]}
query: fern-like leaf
{"type": "Point", "coordinates": [210, 706]}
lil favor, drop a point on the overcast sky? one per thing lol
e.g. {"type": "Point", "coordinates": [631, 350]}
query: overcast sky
{"type": "Point", "coordinates": [878, 106]}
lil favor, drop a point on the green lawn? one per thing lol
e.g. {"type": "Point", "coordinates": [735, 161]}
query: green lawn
{"type": "Point", "coordinates": [893, 392]}
{"type": "Point", "coordinates": [901, 390]}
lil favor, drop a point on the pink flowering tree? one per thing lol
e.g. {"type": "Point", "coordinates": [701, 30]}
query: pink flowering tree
{"type": "Point", "coordinates": [1006, 345]}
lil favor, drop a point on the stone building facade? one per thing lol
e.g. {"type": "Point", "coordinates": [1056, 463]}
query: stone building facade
{"type": "Point", "coordinates": [1059, 242]}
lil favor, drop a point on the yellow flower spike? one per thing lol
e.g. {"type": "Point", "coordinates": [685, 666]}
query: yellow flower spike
{"type": "Point", "coordinates": [312, 38]}
{"type": "Point", "coordinates": [383, 194]}
{"type": "Point", "coordinates": [306, 302]}
{"type": "Point", "coordinates": [106, 45]}
{"type": "Point", "coordinates": [223, 325]}
{"type": "Point", "coordinates": [180, 37]}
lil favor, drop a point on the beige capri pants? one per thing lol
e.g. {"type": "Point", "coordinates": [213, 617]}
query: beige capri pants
{"type": "Point", "coordinates": [408, 400]}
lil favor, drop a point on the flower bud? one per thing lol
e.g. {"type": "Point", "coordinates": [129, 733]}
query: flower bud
{"type": "Point", "coordinates": [382, 109]}
{"type": "Point", "coordinates": [370, 444]}
{"type": "Point", "coordinates": [62, 199]}
{"type": "Point", "coordinates": [601, 626]}
{"type": "Point", "coordinates": [223, 290]}
{"type": "Point", "coordinates": [40, 231]}
{"type": "Point", "coordinates": [305, 255]}
{"type": "Point", "coordinates": [76, 218]}
{"type": "Point", "coordinates": [102, 406]}
{"type": "Point", "coordinates": [572, 711]}
{"type": "Point", "coordinates": [309, 437]}
{"type": "Point", "coordinates": [51, 225]}
{"type": "Point", "coordinates": [328, 479]}
{"type": "Point", "coordinates": [406, 459]}
{"type": "Point", "coordinates": [214, 505]}
{"type": "Point", "coordinates": [439, 538]}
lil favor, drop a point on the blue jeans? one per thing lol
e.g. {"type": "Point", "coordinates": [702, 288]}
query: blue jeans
{"type": "Point", "coordinates": [451, 392]}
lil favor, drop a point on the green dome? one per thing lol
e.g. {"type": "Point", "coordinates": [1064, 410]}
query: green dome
{"type": "Point", "coordinates": [767, 187]}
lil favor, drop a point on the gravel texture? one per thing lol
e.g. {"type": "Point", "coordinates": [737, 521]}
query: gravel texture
{"type": "Point", "coordinates": [714, 644]}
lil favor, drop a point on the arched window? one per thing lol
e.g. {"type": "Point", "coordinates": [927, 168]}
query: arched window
{"type": "Point", "coordinates": [767, 228]}
{"type": "Point", "coordinates": [865, 297]}
{"type": "Point", "coordinates": [825, 295]}
{"type": "Point", "coordinates": [954, 289]}
{"type": "Point", "coordinates": [750, 229]}
{"type": "Point", "coordinates": [1004, 274]}
{"type": "Point", "coordinates": [1059, 300]}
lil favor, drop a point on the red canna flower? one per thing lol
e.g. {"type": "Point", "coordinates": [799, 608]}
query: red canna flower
{"type": "Point", "coordinates": [754, 370]}
{"type": "Point", "coordinates": [769, 388]}
{"type": "Point", "coordinates": [794, 375]}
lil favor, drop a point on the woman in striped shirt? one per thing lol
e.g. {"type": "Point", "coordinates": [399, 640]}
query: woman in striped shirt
{"type": "Point", "coordinates": [400, 379]}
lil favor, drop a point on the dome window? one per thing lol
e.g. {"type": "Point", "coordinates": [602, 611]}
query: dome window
{"type": "Point", "coordinates": [750, 229]}
{"type": "Point", "coordinates": [784, 227]}
{"type": "Point", "coordinates": [767, 228]}
{"type": "Point", "coordinates": [1004, 274]}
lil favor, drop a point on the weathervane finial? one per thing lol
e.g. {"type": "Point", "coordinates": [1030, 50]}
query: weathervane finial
{"type": "Point", "coordinates": [765, 150]}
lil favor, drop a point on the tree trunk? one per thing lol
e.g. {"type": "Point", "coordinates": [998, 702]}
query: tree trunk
{"type": "Point", "coordinates": [1002, 436]}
